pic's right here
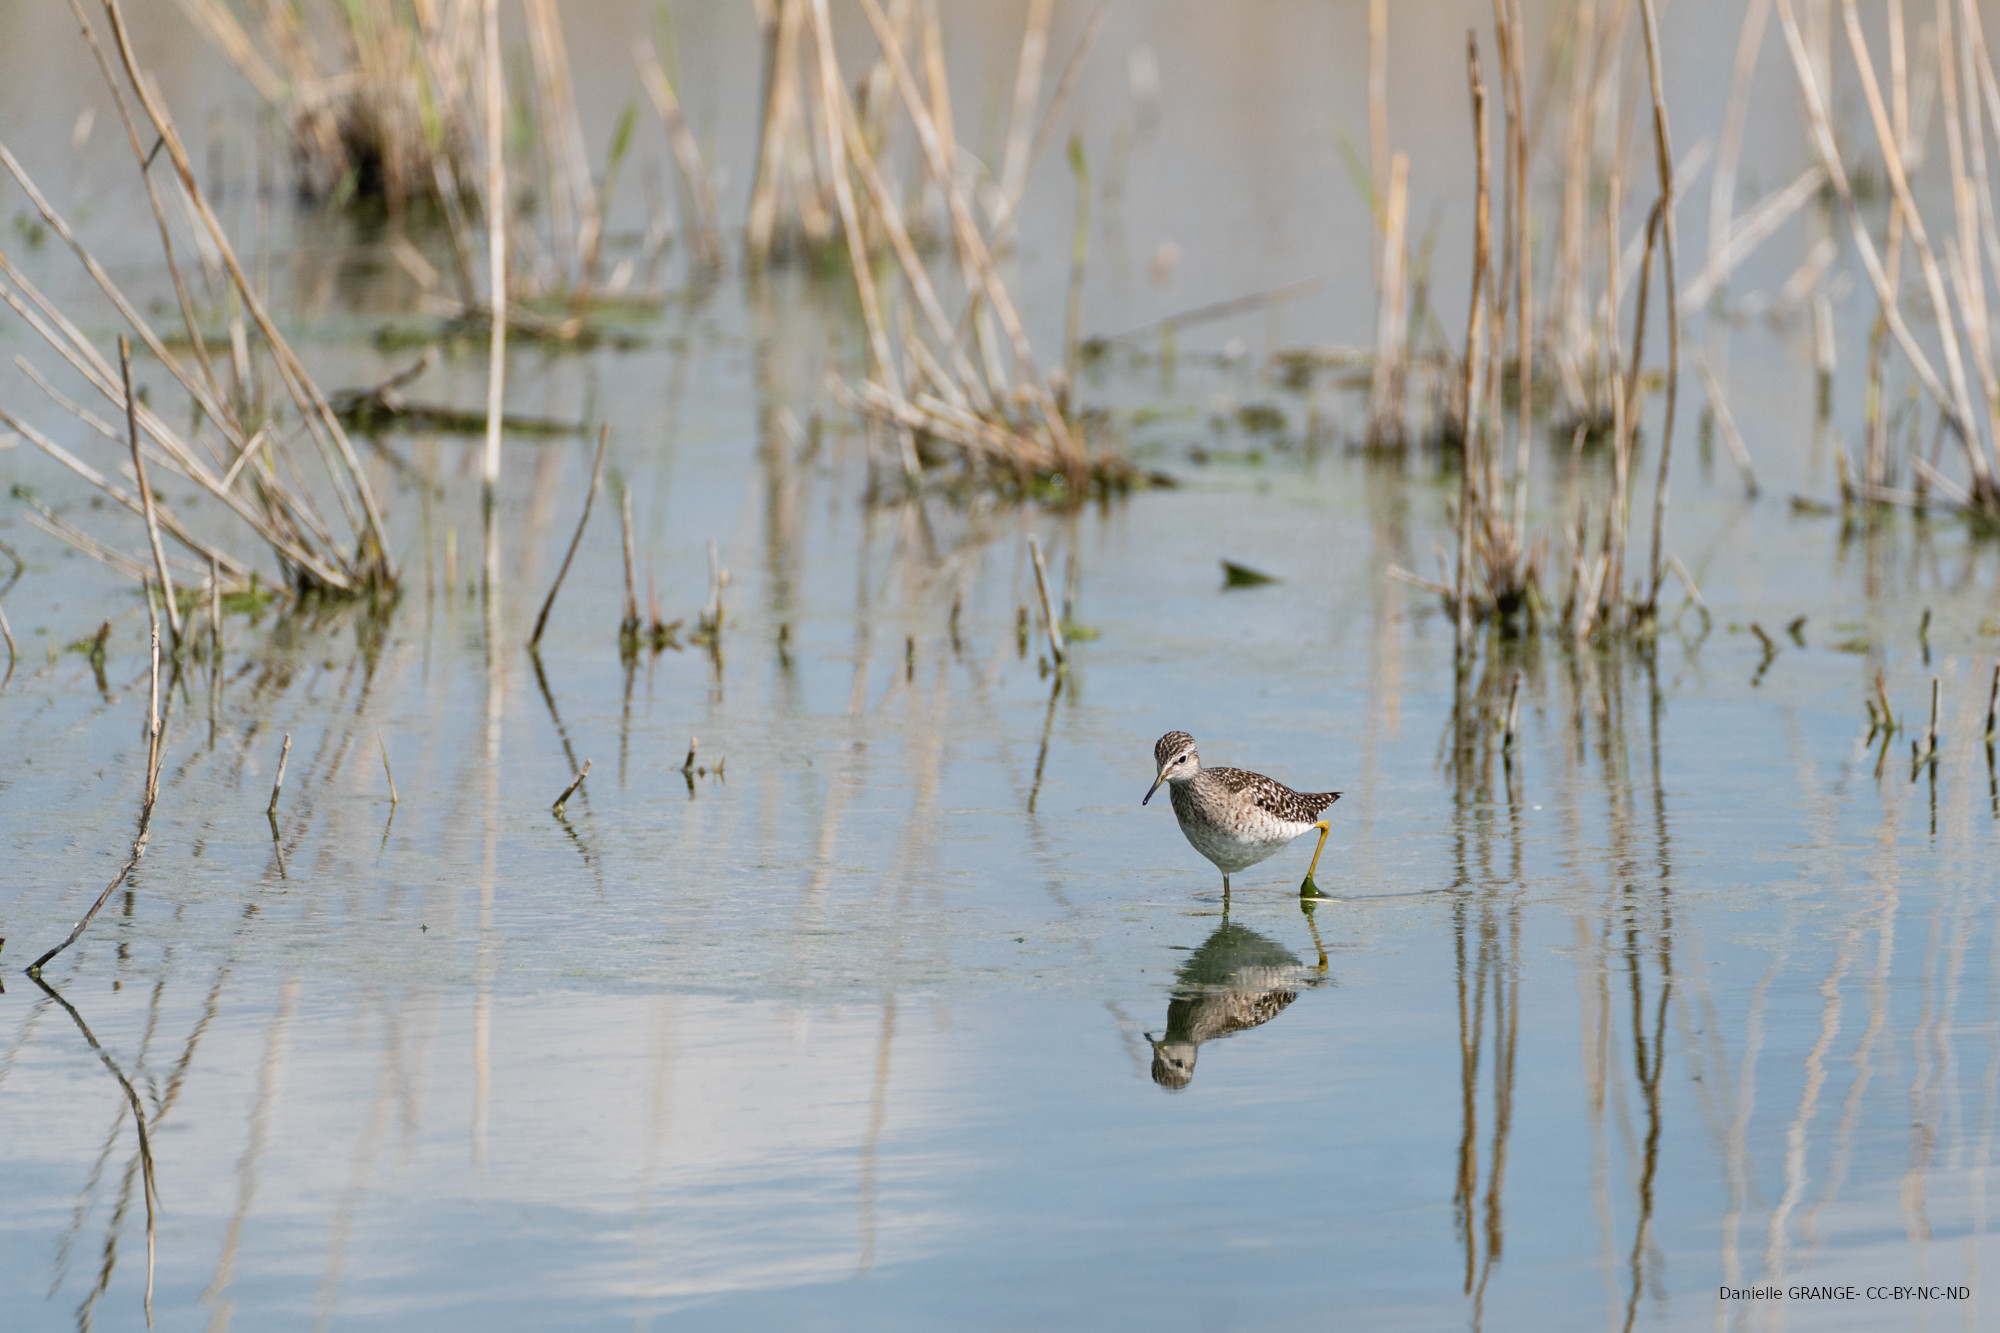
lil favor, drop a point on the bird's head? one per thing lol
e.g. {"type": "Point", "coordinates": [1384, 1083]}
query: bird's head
{"type": "Point", "coordinates": [1176, 760]}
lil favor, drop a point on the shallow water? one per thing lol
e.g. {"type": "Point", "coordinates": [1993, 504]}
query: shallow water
{"type": "Point", "coordinates": [1686, 988]}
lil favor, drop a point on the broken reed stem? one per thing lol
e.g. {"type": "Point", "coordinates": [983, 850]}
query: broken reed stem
{"type": "Point", "coordinates": [1057, 647]}
{"type": "Point", "coordinates": [589, 497]}
{"type": "Point", "coordinates": [569, 791]}
{"type": "Point", "coordinates": [393, 802]}
{"type": "Point", "coordinates": [278, 783]}
{"type": "Point", "coordinates": [7, 632]}
{"type": "Point", "coordinates": [496, 260]}
{"type": "Point", "coordinates": [1993, 704]}
{"type": "Point", "coordinates": [146, 491]}
{"type": "Point", "coordinates": [687, 765]}
{"type": "Point", "coordinates": [1931, 735]}
{"type": "Point", "coordinates": [155, 751]}
{"type": "Point", "coordinates": [1475, 320]}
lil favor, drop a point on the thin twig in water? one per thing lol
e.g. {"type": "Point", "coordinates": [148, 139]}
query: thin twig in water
{"type": "Point", "coordinates": [569, 791]}
{"type": "Point", "coordinates": [278, 783]}
{"type": "Point", "coordinates": [386, 772]}
{"type": "Point", "coordinates": [589, 498]}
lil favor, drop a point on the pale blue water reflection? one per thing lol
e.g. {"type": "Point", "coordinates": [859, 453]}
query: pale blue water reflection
{"type": "Point", "coordinates": [1689, 986]}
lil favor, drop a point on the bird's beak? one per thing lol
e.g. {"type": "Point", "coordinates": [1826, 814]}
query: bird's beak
{"type": "Point", "coordinates": [1155, 787]}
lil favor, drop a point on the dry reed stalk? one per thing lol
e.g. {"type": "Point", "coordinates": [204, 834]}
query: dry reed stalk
{"type": "Point", "coordinates": [146, 494]}
{"type": "Point", "coordinates": [278, 783]}
{"type": "Point", "coordinates": [1475, 323]}
{"type": "Point", "coordinates": [1001, 415]}
{"type": "Point", "coordinates": [1664, 162]}
{"type": "Point", "coordinates": [1524, 301]}
{"type": "Point", "coordinates": [833, 120]}
{"type": "Point", "coordinates": [1963, 261]}
{"type": "Point", "coordinates": [1387, 393]}
{"type": "Point", "coordinates": [312, 404]}
{"type": "Point", "coordinates": [1058, 647]}
{"type": "Point", "coordinates": [702, 221]}
{"type": "Point", "coordinates": [574, 214]}
{"type": "Point", "coordinates": [284, 517]}
{"type": "Point", "coordinates": [496, 260]}
{"type": "Point", "coordinates": [1725, 421]}
{"type": "Point", "coordinates": [1051, 116]}
{"type": "Point", "coordinates": [1752, 230]}
{"type": "Point", "coordinates": [780, 110]}
{"type": "Point", "coordinates": [1378, 101]}
{"type": "Point", "coordinates": [1929, 752]}
{"type": "Point", "coordinates": [1820, 123]}
{"type": "Point", "coordinates": [1889, 140]}
{"type": "Point", "coordinates": [1015, 158]}
{"type": "Point", "coordinates": [589, 498]}
{"type": "Point", "coordinates": [1722, 185]}
{"type": "Point", "coordinates": [1568, 306]}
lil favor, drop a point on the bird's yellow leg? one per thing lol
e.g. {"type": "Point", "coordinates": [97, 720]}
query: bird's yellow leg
{"type": "Point", "coordinates": [1323, 828]}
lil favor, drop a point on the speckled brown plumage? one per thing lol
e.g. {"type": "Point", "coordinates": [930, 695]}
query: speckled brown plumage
{"type": "Point", "coordinates": [1232, 816]}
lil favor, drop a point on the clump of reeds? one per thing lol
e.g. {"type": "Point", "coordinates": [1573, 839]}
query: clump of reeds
{"type": "Point", "coordinates": [939, 388]}
{"type": "Point", "coordinates": [252, 457]}
{"type": "Point", "coordinates": [391, 103]}
{"type": "Point", "coordinates": [380, 99]}
{"type": "Point", "coordinates": [1561, 363]}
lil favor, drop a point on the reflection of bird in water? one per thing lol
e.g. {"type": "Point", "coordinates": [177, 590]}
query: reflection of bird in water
{"type": "Point", "coordinates": [1234, 817]}
{"type": "Point", "coordinates": [1237, 979]}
